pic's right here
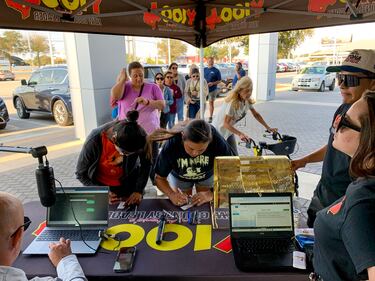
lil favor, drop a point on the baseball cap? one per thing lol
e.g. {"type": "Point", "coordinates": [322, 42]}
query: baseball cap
{"type": "Point", "coordinates": [358, 60]}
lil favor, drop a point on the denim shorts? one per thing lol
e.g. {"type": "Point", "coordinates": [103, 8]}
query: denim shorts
{"type": "Point", "coordinates": [187, 185]}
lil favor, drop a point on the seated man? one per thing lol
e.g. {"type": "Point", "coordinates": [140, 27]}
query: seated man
{"type": "Point", "coordinates": [12, 226]}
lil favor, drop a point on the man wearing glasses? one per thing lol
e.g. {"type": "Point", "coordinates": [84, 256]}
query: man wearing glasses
{"type": "Point", "coordinates": [12, 226]}
{"type": "Point", "coordinates": [354, 77]}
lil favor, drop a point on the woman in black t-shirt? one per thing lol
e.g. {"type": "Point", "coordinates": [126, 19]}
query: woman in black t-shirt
{"type": "Point", "coordinates": [187, 160]}
{"type": "Point", "coordinates": [345, 231]}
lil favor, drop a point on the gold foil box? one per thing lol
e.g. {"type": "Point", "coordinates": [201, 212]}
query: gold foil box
{"type": "Point", "coordinates": [255, 174]}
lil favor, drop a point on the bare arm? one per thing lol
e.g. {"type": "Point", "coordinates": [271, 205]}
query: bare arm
{"type": "Point", "coordinates": [227, 125]}
{"type": "Point", "coordinates": [177, 197]}
{"type": "Point", "coordinates": [118, 89]}
{"type": "Point", "coordinates": [371, 273]}
{"type": "Point", "coordinates": [316, 156]}
{"type": "Point", "coordinates": [158, 104]}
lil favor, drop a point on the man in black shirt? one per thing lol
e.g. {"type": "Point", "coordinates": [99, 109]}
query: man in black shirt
{"type": "Point", "coordinates": [355, 75]}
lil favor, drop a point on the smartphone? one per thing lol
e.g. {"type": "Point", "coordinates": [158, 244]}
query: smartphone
{"type": "Point", "coordinates": [125, 259]}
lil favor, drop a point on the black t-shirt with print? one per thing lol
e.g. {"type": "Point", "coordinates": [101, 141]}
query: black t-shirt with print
{"type": "Point", "coordinates": [335, 172]}
{"type": "Point", "coordinates": [174, 159]}
{"type": "Point", "coordinates": [345, 234]}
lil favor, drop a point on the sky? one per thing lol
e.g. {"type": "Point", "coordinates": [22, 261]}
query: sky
{"type": "Point", "coordinates": [147, 46]}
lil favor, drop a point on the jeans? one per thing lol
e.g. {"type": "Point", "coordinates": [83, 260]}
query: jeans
{"type": "Point", "coordinates": [171, 120]}
{"type": "Point", "coordinates": [193, 109]}
{"type": "Point", "coordinates": [180, 109]}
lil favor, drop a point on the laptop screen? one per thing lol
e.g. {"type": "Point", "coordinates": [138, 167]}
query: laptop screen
{"type": "Point", "coordinates": [90, 207]}
{"type": "Point", "coordinates": [261, 213]}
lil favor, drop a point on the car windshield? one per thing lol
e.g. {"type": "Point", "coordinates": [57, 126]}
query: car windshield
{"type": "Point", "coordinates": [313, 70]}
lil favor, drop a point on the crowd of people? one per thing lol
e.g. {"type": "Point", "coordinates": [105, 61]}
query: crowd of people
{"type": "Point", "coordinates": [122, 154]}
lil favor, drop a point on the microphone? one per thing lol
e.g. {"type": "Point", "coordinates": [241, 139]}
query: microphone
{"type": "Point", "coordinates": [45, 182]}
{"type": "Point", "coordinates": [159, 236]}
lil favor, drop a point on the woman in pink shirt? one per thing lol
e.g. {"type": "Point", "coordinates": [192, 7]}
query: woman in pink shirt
{"type": "Point", "coordinates": [137, 94]}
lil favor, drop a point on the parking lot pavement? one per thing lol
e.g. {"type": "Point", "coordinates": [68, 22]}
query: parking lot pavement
{"type": "Point", "coordinates": [306, 116]}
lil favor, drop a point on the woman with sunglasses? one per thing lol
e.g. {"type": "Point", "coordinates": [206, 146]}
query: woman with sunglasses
{"type": "Point", "coordinates": [179, 80]}
{"type": "Point", "coordinates": [187, 161]}
{"type": "Point", "coordinates": [168, 98]}
{"type": "Point", "coordinates": [344, 232]}
{"type": "Point", "coordinates": [354, 77]}
{"type": "Point", "coordinates": [137, 94]}
{"type": "Point", "coordinates": [192, 94]}
{"type": "Point", "coordinates": [234, 109]}
{"type": "Point", "coordinates": [114, 155]}
{"type": "Point", "coordinates": [177, 94]}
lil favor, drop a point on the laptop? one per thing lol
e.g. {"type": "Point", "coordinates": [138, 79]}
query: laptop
{"type": "Point", "coordinates": [262, 230]}
{"type": "Point", "coordinates": [90, 205]}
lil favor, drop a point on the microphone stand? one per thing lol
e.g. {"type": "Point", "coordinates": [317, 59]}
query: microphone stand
{"type": "Point", "coordinates": [44, 174]}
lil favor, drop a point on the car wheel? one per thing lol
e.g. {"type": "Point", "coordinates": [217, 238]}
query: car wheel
{"type": "Point", "coordinates": [21, 110]}
{"type": "Point", "coordinates": [61, 114]}
{"type": "Point", "coordinates": [322, 87]}
{"type": "Point", "coordinates": [332, 86]}
{"type": "Point", "coordinates": [2, 126]}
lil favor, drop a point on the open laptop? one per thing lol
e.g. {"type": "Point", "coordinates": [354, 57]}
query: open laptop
{"type": "Point", "coordinates": [90, 205]}
{"type": "Point", "coordinates": [262, 230]}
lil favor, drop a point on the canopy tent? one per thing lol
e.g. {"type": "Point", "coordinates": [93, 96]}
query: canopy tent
{"type": "Point", "coordinates": [198, 22]}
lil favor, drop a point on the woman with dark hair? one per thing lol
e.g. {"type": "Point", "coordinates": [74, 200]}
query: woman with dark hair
{"type": "Point", "coordinates": [344, 232]}
{"type": "Point", "coordinates": [179, 80]}
{"type": "Point", "coordinates": [192, 94]}
{"type": "Point", "coordinates": [115, 155]}
{"type": "Point", "coordinates": [168, 98]}
{"type": "Point", "coordinates": [136, 94]}
{"type": "Point", "coordinates": [177, 94]}
{"type": "Point", "coordinates": [187, 160]}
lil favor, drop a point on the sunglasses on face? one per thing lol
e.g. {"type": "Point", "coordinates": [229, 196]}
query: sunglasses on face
{"type": "Point", "coordinates": [349, 80]}
{"type": "Point", "coordinates": [195, 76]}
{"type": "Point", "coordinates": [169, 77]}
{"type": "Point", "coordinates": [26, 224]}
{"type": "Point", "coordinates": [159, 78]}
{"type": "Point", "coordinates": [174, 67]}
{"type": "Point", "coordinates": [342, 121]}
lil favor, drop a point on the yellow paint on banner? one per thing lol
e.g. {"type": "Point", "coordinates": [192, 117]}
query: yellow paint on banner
{"type": "Point", "coordinates": [136, 235]}
{"type": "Point", "coordinates": [184, 236]}
{"type": "Point", "coordinates": [203, 235]}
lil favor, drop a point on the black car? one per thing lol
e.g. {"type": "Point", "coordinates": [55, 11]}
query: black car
{"type": "Point", "coordinates": [46, 91]}
{"type": "Point", "coordinates": [4, 116]}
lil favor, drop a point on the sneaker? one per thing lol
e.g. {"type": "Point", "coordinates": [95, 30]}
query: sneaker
{"type": "Point", "coordinates": [209, 119]}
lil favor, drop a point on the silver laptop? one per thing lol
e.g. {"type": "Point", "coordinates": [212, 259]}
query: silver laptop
{"type": "Point", "coordinates": [90, 206]}
{"type": "Point", "coordinates": [262, 230]}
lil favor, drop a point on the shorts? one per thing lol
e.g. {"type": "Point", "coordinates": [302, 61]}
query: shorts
{"type": "Point", "coordinates": [213, 95]}
{"type": "Point", "coordinates": [187, 185]}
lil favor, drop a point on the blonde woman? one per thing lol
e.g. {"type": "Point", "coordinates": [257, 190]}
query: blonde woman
{"type": "Point", "coordinates": [234, 108]}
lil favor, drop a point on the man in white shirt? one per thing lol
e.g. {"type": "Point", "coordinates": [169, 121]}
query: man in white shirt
{"type": "Point", "coordinates": [12, 225]}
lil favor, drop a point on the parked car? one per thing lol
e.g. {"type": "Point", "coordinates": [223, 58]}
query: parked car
{"type": "Point", "coordinates": [4, 116]}
{"type": "Point", "coordinates": [46, 91]}
{"type": "Point", "coordinates": [151, 70]}
{"type": "Point", "coordinates": [280, 67]}
{"type": "Point", "coordinates": [314, 78]}
{"type": "Point", "coordinates": [7, 75]}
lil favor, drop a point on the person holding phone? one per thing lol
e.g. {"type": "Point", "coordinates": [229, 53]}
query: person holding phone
{"type": "Point", "coordinates": [240, 72]}
{"type": "Point", "coordinates": [168, 98]}
{"type": "Point", "coordinates": [137, 94]}
{"type": "Point", "coordinates": [192, 94]}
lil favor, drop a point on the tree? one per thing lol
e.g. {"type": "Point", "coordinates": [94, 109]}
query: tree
{"type": "Point", "coordinates": [11, 42]}
{"type": "Point", "coordinates": [211, 51]}
{"type": "Point", "coordinates": [289, 40]}
{"type": "Point", "coordinates": [38, 45]}
{"type": "Point", "coordinates": [178, 48]}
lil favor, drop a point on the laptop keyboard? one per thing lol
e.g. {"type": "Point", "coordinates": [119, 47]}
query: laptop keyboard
{"type": "Point", "coordinates": [260, 246]}
{"type": "Point", "coordinates": [73, 235]}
